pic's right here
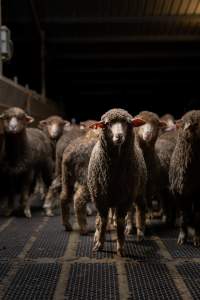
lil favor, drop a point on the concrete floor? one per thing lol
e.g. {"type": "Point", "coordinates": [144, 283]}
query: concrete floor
{"type": "Point", "coordinates": [39, 260]}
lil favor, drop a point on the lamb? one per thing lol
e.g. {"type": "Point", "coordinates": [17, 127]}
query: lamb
{"type": "Point", "coordinates": [117, 175]}
{"type": "Point", "coordinates": [74, 178]}
{"type": "Point", "coordinates": [183, 175]}
{"type": "Point", "coordinates": [25, 154]}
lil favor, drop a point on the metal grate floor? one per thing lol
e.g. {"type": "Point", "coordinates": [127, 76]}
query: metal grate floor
{"type": "Point", "coordinates": [150, 281]}
{"type": "Point", "coordinates": [85, 246]}
{"type": "Point", "coordinates": [92, 281]}
{"type": "Point", "coordinates": [4, 268]}
{"type": "Point", "coordinates": [183, 251]}
{"type": "Point", "coordinates": [15, 236]}
{"type": "Point", "coordinates": [51, 242]}
{"type": "Point", "coordinates": [190, 273]}
{"type": "Point", "coordinates": [34, 281]}
{"type": "Point", "coordinates": [144, 250]}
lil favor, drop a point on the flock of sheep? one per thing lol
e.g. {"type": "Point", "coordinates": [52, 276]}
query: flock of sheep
{"type": "Point", "coordinates": [127, 166]}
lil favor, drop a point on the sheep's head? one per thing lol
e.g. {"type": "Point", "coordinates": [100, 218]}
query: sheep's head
{"type": "Point", "coordinates": [15, 120]}
{"type": "Point", "coordinates": [54, 126]}
{"type": "Point", "coordinates": [116, 123]}
{"type": "Point", "coordinates": [189, 124]}
{"type": "Point", "coordinates": [149, 131]}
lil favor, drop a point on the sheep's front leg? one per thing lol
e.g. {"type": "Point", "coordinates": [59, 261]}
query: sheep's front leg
{"type": "Point", "coordinates": [185, 211]}
{"type": "Point", "coordinates": [120, 219]}
{"type": "Point", "coordinates": [99, 236]}
{"type": "Point", "coordinates": [129, 221]}
{"type": "Point", "coordinates": [196, 238]}
{"type": "Point", "coordinates": [140, 220]}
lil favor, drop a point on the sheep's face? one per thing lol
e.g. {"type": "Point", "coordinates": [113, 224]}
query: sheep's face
{"type": "Point", "coordinates": [117, 124]}
{"type": "Point", "coordinates": [148, 131]}
{"type": "Point", "coordinates": [15, 120]}
{"type": "Point", "coordinates": [116, 132]}
{"type": "Point", "coordinates": [54, 126]}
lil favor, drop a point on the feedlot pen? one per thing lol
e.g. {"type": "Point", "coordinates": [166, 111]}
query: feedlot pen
{"type": "Point", "coordinates": [39, 260]}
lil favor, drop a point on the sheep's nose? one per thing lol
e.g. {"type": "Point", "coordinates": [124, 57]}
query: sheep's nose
{"type": "Point", "coordinates": [118, 138]}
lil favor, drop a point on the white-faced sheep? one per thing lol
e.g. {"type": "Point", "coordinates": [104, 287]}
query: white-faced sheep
{"type": "Point", "coordinates": [117, 174]}
{"type": "Point", "coordinates": [25, 154]}
{"type": "Point", "coordinates": [184, 174]}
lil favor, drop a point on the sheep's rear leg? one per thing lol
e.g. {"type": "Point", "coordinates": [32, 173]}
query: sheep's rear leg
{"type": "Point", "coordinates": [65, 199]}
{"type": "Point", "coordinates": [182, 237]}
{"type": "Point", "coordinates": [25, 204]}
{"type": "Point", "coordinates": [80, 200]}
{"type": "Point", "coordinates": [140, 220]}
{"type": "Point", "coordinates": [50, 197]}
{"type": "Point", "coordinates": [99, 237]}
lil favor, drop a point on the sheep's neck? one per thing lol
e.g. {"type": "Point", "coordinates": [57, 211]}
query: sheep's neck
{"type": "Point", "coordinates": [15, 144]}
{"type": "Point", "coordinates": [118, 153]}
{"type": "Point", "coordinates": [148, 150]}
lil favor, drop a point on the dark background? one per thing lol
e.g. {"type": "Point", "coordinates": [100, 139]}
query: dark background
{"type": "Point", "coordinates": [99, 54]}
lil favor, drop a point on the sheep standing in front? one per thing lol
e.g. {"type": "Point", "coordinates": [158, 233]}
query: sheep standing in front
{"type": "Point", "coordinates": [26, 153]}
{"type": "Point", "coordinates": [184, 175]}
{"type": "Point", "coordinates": [74, 178]}
{"type": "Point", "coordinates": [117, 175]}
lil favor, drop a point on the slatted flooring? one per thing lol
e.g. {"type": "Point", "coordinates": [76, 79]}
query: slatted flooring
{"type": "Point", "coordinates": [39, 260]}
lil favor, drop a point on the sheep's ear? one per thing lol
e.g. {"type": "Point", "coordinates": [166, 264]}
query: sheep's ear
{"type": "Point", "coordinates": [42, 124]}
{"type": "Point", "coordinates": [2, 116]}
{"type": "Point", "coordinates": [179, 123]}
{"type": "Point", "coordinates": [137, 121]}
{"type": "Point", "coordinates": [97, 125]}
{"type": "Point", "coordinates": [66, 123]}
{"type": "Point", "coordinates": [29, 119]}
{"type": "Point", "coordinates": [162, 124]}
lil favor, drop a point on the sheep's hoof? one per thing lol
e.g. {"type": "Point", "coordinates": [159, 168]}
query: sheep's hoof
{"type": "Point", "coordinates": [181, 238]}
{"type": "Point", "coordinates": [98, 246]}
{"type": "Point", "coordinates": [68, 227]}
{"type": "Point", "coordinates": [27, 213]}
{"type": "Point", "coordinates": [140, 235]}
{"type": "Point", "coordinates": [49, 212]}
{"type": "Point", "coordinates": [196, 241]}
